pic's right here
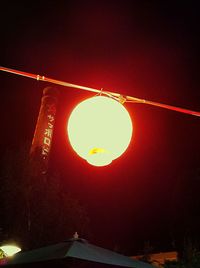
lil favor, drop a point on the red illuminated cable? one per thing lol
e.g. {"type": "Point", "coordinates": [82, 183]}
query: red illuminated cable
{"type": "Point", "coordinates": [165, 106]}
{"type": "Point", "coordinates": [113, 94]}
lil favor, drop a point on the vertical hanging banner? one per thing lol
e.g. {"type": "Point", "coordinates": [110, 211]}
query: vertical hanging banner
{"type": "Point", "coordinates": [42, 140]}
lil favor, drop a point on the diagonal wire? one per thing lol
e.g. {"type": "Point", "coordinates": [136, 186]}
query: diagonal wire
{"type": "Point", "coordinates": [118, 96]}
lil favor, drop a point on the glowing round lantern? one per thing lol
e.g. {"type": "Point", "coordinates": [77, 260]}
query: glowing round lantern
{"type": "Point", "coordinates": [99, 130]}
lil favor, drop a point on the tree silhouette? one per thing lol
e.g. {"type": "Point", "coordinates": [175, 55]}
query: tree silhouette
{"type": "Point", "coordinates": [36, 209]}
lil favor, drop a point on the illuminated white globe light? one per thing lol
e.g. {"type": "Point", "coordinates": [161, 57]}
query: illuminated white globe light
{"type": "Point", "coordinates": [99, 130]}
{"type": "Point", "coordinates": [10, 250]}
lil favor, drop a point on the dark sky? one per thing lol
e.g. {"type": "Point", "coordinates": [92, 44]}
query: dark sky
{"type": "Point", "coordinates": [147, 49]}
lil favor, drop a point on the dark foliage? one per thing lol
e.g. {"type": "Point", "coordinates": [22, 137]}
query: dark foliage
{"type": "Point", "coordinates": [36, 209]}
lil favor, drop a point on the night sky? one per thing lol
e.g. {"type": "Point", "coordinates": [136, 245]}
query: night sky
{"type": "Point", "coordinates": [146, 49]}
